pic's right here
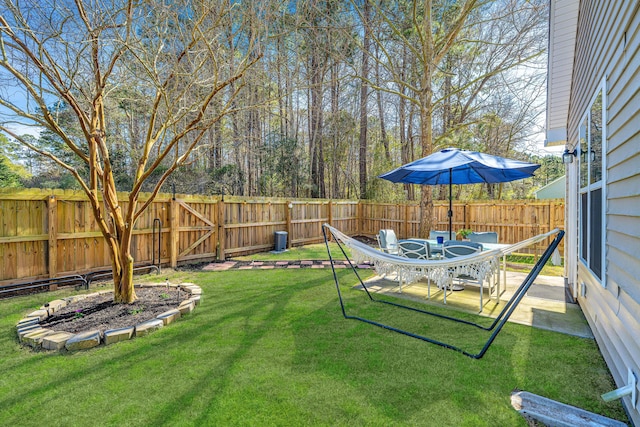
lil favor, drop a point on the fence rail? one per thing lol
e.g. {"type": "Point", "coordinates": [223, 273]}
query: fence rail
{"type": "Point", "coordinates": [51, 233]}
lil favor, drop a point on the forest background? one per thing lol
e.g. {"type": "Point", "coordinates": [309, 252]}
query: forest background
{"type": "Point", "coordinates": [332, 102]}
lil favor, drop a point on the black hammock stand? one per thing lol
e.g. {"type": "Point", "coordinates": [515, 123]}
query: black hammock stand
{"type": "Point", "coordinates": [496, 325]}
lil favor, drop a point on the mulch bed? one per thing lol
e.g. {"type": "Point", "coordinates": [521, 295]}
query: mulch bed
{"type": "Point", "coordinates": [100, 313]}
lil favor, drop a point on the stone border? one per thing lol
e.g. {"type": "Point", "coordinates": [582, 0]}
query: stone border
{"type": "Point", "coordinates": [30, 331]}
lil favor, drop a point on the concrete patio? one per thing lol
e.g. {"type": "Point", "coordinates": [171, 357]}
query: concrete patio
{"type": "Point", "coordinates": [544, 306]}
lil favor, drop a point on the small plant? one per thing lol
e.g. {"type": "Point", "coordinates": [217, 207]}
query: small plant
{"type": "Point", "coordinates": [136, 311]}
{"type": "Point", "coordinates": [464, 232]}
{"type": "Point", "coordinates": [164, 295]}
{"type": "Point", "coordinates": [79, 314]}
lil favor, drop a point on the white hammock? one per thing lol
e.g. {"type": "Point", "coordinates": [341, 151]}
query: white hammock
{"type": "Point", "coordinates": [383, 260]}
{"type": "Point", "coordinates": [479, 266]}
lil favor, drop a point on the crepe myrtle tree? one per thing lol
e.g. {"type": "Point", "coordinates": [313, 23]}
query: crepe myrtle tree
{"type": "Point", "coordinates": [180, 63]}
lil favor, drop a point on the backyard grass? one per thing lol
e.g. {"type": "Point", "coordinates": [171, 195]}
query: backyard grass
{"type": "Point", "coordinates": [316, 251]}
{"type": "Point", "coordinates": [270, 347]}
{"type": "Point", "coordinates": [519, 262]}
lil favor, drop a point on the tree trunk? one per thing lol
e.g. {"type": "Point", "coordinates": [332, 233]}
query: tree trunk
{"type": "Point", "coordinates": [362, 160]}
{"type": "Point", "coordinates": [406, 147]}
{"type": "Point", "coordinates": [124, 291]}
{"type": "Point", "coordinates": [426, 127]}
{"type": "Point", "coordinates": [383, 128]}
{"type": "Point", "coordinates": [315, 134]}
{"type": "Point", "coordinates": [335, 112]}
{"type": "Point", "coordinates": [426, 116]}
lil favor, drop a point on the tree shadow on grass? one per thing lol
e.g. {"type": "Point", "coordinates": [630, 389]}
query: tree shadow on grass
{"type": "Point", "coordinates": [248, 320]}
{"type": "Point", "coordinates": [401, 379]}
{"type": "Point", "coordinates": [248, 313]}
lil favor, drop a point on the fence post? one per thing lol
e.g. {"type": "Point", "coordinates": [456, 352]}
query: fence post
{"type": "Point", "coordinates": [406, 221]}
{"type": "Point", "coordinates": [287, 216]}
{"type": "Point", "coordinates": [52, 219]}
{"type": "Point", "coordinates": [330, 219]}
{"type": "Point", "coordinates": [222, 235]}
{"type": "Point", "coordinates": [174, 232]}
{"type": "Point", "coordinates": [466, 216]}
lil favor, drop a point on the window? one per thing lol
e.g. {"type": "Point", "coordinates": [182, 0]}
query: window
{"type": "Point", "coordinates": [591, 187]}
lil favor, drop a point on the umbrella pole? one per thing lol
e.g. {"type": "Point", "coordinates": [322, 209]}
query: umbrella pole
{"type": "Point", "coordinates": [450, 213]}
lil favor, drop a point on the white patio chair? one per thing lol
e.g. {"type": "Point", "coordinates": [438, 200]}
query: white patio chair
{"type": "Point", "coordinates": [452, 249]}
{"type": "Point", "coordinates": [387, 241]}
{"type": "Point", "coordinates": [416, 249]}
{"type": "Point", "coordinates": [484, 237]}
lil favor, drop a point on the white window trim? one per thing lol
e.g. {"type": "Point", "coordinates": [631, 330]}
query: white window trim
{"type": "Point", "coordinates": [603, 182]}
{"type": "Point", "coordinates": [602, 88]}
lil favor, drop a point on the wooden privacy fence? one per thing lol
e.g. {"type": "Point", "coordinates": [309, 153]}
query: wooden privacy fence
{"type": "Point", "coordinates": [52, 233]}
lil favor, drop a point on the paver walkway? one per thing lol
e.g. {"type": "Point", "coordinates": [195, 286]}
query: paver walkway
{"type": "Point", "coordinates": [544, 306]}
{"type": "Point", "coordinates": [247, 265]}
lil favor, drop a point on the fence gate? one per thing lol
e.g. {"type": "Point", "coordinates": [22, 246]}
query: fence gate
{"type": "Point", "coordinates": [193, 230]}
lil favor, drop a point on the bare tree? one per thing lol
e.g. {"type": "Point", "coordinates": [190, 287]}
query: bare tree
{"type": "Point", "coordinates": [78, 55]}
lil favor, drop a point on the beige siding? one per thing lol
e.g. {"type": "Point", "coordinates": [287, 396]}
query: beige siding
{"type": "Point", "coordinates": [603, 51]}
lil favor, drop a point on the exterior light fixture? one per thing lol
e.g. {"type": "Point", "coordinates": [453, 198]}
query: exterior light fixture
{"type": "Point", "coordinates": [567, 156]}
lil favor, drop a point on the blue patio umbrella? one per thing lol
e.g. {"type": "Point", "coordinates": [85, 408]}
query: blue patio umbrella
{"type": "Point", "coordinates": [453, 166]}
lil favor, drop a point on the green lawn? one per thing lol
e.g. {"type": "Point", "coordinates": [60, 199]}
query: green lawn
{"type": "Point", "coordinates": [316, 251]}
{"type": "Point", "coordinates": [270, 347]}
{"type": "Point", "coordinates": [521, 263]}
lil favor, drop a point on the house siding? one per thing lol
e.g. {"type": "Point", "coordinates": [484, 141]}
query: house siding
{"type": "Point", "coordinates": [605, 53]}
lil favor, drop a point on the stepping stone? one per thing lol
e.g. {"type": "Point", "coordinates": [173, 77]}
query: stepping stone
{"type": "Point", "coordinates": [193, 290]}
{"type": "Point", "coordinates": [75, 299]}
{"type": "Point", "coordinates": [282, 263]}
{"type": "Point", "coordinates": [326, 262]}
{"type": "Point", "coordinates": [56, 305]}
{"type": "Point", "coordinates": [116, 335]}
{"type": "Point", "coordinates": [257, 263]}
{"type": "Point", "coordinates": [186, 307]}
{"type": "Point", "coordinates": [294, 266]}
{"type": "Point", "coordinates": [56, 340]}
{"type": "Point", "coordinates": [169, 316]}
{"type": "Point", "coordinates": [146, 328]}
{"type": "Point", "coordinates": [340, 266]}
{"type": "Point", "coordinates": [189, 285]}
{"type": "Point", "coordinates": [306, 262]}
{"type": "Point", "coordinates": [41, 314]}
{"type": "Point", "coordinates": [35, 337]}
{"type": "Point", "coordinates": [364, 266]}
{"type": "Point", "coordinates": [267, 267]}
{"type": "Point", "coordinates": [27, 329]}
{"type": "Point", "coordinates": [317, 266]}
{"type": "Point", "coordinates": [219, 266]}
{"type": "Point", "coordinates": [27, 321]}
{"type": "Point", "coordinates": [83, 341]}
